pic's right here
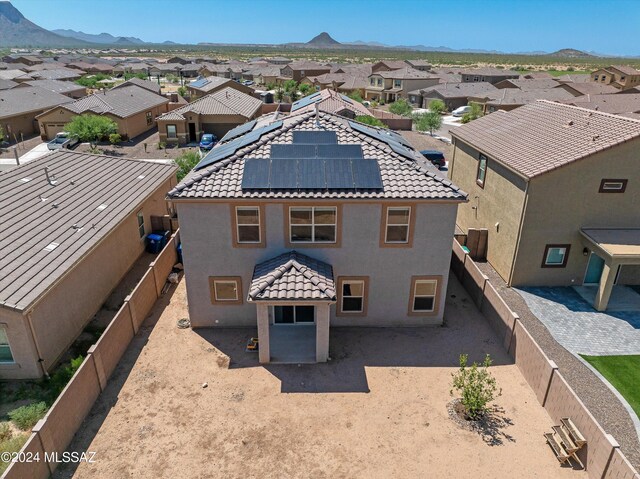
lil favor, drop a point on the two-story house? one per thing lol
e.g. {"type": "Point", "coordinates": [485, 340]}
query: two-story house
{"type": "Point", "coordinates": [558, 189]}
{"type": "Point", "coordinates": [621, 77]}
{"type": "Point", "coordinates": [487, 74]}
{"type": "Point", "coordinates": [298, 70]}
{"type": "Point", "coordinates": [390, 85]}
{"type": "Point", "coordinates": [312, 221]}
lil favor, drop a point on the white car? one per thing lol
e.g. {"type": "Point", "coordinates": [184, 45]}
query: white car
{"type": "Point", "coordinates": [461, 111]}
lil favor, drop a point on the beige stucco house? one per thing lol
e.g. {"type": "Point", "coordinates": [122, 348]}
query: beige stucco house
{"type": "Point", "coordinates": [621, 77]}
{"type": "Point", "coordinates": [69, 235]}
{"type": "Point", "coordinates": [316, 221]}
{"type": "Point", "coordinates": [391, 85]}
{"type": "Point", "coordinates": [557, 188]}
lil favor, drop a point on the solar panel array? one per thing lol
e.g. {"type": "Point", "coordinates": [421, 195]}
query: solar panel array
{"type": "Point", "coordinates": [227, 149]}
{"type": "Point", "coordinates": [200, 82]}
{"type": "Point", "coordinates": [307, 100]}
{"type": "Point", "coordinates": [315, 137]}
{"type": "Point", "coordinates": [346, 98]}
{"type": "Point", "coordinates": [394, 140]}
{"type": "Point", "coordinates": [237, 131]}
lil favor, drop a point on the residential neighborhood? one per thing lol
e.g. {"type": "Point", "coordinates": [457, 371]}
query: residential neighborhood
{"type": "Point", "coordinates": [229, 250]}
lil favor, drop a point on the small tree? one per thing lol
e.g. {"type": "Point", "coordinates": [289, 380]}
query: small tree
{"type": "Point", "coordinates": [370, 120]}
{"type": "Point", "coordinates": [91, 128]}
{"type": "Point", "coordinates": [437, 106]}
{"type": "Point", "coordinates": [186, 162]}
{"type": "Point", "coordinates": [182, 90]}
{"type": "Point", "coordinates": [355, 95]}
{"type": "Point", "coordinates": [401, 107]}
{"type": "Point", "coordinates": [279, 94]}
{"type": "Point", "coordinates": [428, 121]}
{"type": "Point", "coordinates": [305, 88]}
{"type": "Point", "coordinates": [475, 113]}
{"type": "Point", "coordinates": [290, 85]}
{"type": "Point", "coordinates": [477, 386]}
{"type": "Point", "coordinates": [293, 95]}
{"type": "Point", "coordinates": [271, 86]}
{"type": "Point", "coordinates": [115, 138]}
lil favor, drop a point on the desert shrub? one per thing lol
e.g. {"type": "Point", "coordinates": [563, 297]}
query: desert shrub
{"type": "Point", "coordinates": [355, 95]}
{"type": "Point", "coordinates": [115, 138]}
{"type": "Point", "coordinates": [370, 120]}
{"type": "Point", "coordinates": [437, 106]}
{"type": "Point", "coordinates": [475, 113]}
{"type": "Point", "coordinates": [12, 444]}
{"type": "Point", "coordinates": [428, 121]}
{"type": "Point", "coordinates": [59, 379]}
{"type": "Point", "coordinates": [91, 128]}
{"type": "Point", "coordinates": [26, 417]}
{"type": "Point", "coordinates": [5, 431]}
{"type": "Point", "coordinates": [400, 107]}
{"type": "Point", "coordinates": [186, 162]}
{"type": "Point", "coordinates": [476, 385]}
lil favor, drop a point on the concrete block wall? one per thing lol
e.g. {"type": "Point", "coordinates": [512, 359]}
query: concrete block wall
{"type": "Point", "coordinates": [620, 468]}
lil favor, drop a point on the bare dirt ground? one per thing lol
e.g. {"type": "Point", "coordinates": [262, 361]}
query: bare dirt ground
{"type": "Point", "coordinates": [377, 410]}
{"type": "Point", "coordinates": [422, 141]}
{"type": "Point", "coordinates": [23, 146]}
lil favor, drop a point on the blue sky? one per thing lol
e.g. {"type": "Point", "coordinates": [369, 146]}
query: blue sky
{"type": "Point", "coordinates": [507, 25]}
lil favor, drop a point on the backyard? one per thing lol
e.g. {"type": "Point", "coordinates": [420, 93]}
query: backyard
{"type": "Point", "coordinates": [185, 403]}
{"type": "Point", "coordinates": [623, 372]}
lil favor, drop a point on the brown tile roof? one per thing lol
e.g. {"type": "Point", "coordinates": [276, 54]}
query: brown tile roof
{"type": "Point", "coordinates": [7, 84]}
{"type": "Point", "coordinates": [627, 70]}
{"type": "Point", "coordinates": [489, 71]}
{"type": "Point", "coordinates": [527, 84]}
{"type": "Point", "coordinates": [292, 276]}
{"type": "Point", "coordinates": [146, 84]}
{"type": "Point", "coordinates": [29, 99]}
{"type": "Point", "coordinates": [407, 72]}
{"type": "Point", "coordinates": [208, 83]}
{"type": "Point", "coordinates": [589, 88]}
{"type": "Point", "coordinates": [36, 215]}
{"type": "Point", "coordinates": [402, 178]}
{"type": "Point", "coordinates": [227, 101]}
{"type": "Point", "coordinates": [614, 103]}
{"type": "Point", "coordinates": [57, 74]}
{"type": "Point", "coordinates": [329, 101]}
{"type": "Point", "coordinates": [458, 90]}
{"type": "Point", "coordinates": [14, 75]}
{"type": "Point", "coordinates": [542, 136]}
{"type": "Point", "coordinates": [57, 86]}
{"type": "Point", "coordinates": [515, 96]}
{"type": "Point", "coordinates": [121, 102]}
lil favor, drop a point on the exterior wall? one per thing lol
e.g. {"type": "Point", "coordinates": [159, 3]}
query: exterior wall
{"type": "Point", "coordinates": [500, 201]}
{"type": "Point", "coordinates": [25, 124]}
{"type": "Point", "coordinates": [450, 102]}
{"type": "Point", "coordinates": [22, 347]}
{"type": "Point", "coordinates": [629, 274]}
{"type": "Point", "coordinates": [205, 227]}
{"type": "Point", "coordinates": [565, 200]}
{"type": "Point", "coordinates": [410, 84]}
{"type": "Point", "coordinates": [488, 78]}
{"type": "Point", "coordinates": [219, 125]}
{"type": "Point", "coordinates": [57, 320]}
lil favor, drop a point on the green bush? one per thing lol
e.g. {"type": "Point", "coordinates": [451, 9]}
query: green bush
{"type": "Point", "coordinates": [26, 417]}
{"type": "Point", "coordinates": [400, 107]}
{"type": "Point", "coordinates": [437, 106]}
{"type": "Point", "coordinates": [59, 379]}
{"type": "Point", "coordinates": [91, 128]}
{"type": "Point", "coordinates": [91, 81]}
{"type": "Point", "coordinates": [186, 162]}
{"type": "Point", "coordinates": [477, 386]}
{"type": "Point", "coordinates": [12, 444]}
{"type": "Point", "coordinates": [182, 91]}
{"type": "Point", "coordinates": [370, 120]}
{"type": "Point", "coordinates": [355, 95]}
{"type": "Point", "coordinates": [428, 121]}
{"type": "Point", "coordinates": [115, 138]}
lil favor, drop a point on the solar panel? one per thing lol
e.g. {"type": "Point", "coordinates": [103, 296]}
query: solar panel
{"type": "Point", "coordinates": [366, 175]}
{"type": "Point", "coordinates": [307, 100]}
{"type": "Point", "coordinates": [340, 151]}
{"type": "Point", "coordinates": [315, 137]}
{"type": "Point", "coordinates": [238, 130]}
{"type": "Point", "coordinates": [284, 173]}
{"type": "Point", "coordinates": [338, 174]}
{"type": "Point", "coordinates": [311, 175]}
{"type": "Point", "coordinates": [384, 136]}
{"type": "Point", "coordinates": [293, 151]}
{"type": "Point", "coordinates": [346, 98]}
{"type": "Point", "coordinates": [255, 174]}
{"type": "Point", "coordinates": [401, 150]}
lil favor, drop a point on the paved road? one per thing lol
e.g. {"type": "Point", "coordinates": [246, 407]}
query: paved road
{"type": "Point", "coordinates": [33, 154]}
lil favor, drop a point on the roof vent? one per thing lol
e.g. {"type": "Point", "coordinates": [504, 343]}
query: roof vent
{"type": "Point", "coordinates": [51, 246]}
{"type": "Point", "coordinates": [101, 207]}
{"type": "Point", "coordinates": [76, 226]}
{"type": "Point", "coordinates": [141, 177]}
{"type": "Point", "coordinates": [25, 179]}
{"type": "Point", "coordinates": [42, 198]}
{"type": "Point", "coordinates": [51, 179]}
{"type": "Point", "coordinates": [595, 137]}
{"type": "Point", "coordinates": [568, 124]}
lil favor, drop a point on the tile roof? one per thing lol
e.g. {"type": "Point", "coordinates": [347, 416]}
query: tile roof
{"type": "Point", "coordinates": [542, 136]}
{"type": "Point", "coordinates": [29, 99]}
{"type": "Point", "coordinates": [292, 276]}
{"type": "Point", "coordinates": [627, 70]}
{"type": "Point", "coordinates": [614, 103]}
{"type": "Point", "coordinates": [457, 90]}
{"type": "Point", "coordinates": [590, 88]}
{"type": "Point", "coordinates": [7, 84]}
{"type": "Point", "coordinates": [527, 84]}
{"type": "Point", "coordinates": [56, 86]}
{"type": "Point", "coordinates": [209, 83]}
{"type": "Point", "coordinates": [227, 101]}
{"type": "Point", "coordinates": [402, 178]}
{"type": "Point", "coordinates": [146, 84]}
{"type": "Point", "coordinates": [489, 71]}
{"type": "Point", "coordinates": [14, 75]}
{"type": "Point", "coordinates": [307, 65]}
{"type": "Point", "coordinates": [35, 215]}
{"type": "Point", "coordinates": [57, 74]}
{"type": "Point", "coordinates": [331, 102]}
{"type": "Point", "coordinates": [515, 96]}
{"type": "Point", "coordinates": [407, 72]}
{"type": "Point", "coordinates": [121, 102]}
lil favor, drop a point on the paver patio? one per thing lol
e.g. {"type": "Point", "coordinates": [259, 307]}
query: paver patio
{"type": "Point", "coordinates": [377, 409]}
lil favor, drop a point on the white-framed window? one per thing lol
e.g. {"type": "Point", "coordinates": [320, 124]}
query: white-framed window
{"type": "Point", "coordinates": [352, 299]}
{"type": "Point", "coordinates": [140, 217]}
{"type": "Point", "coordinates": [397, 224]}
{"type": "Point", "coordinates": [397, 83]}
{"type": "Point", "coordinates": [149, 116]}
{"type": "Point", "coordinates": [372, 81]}
{"type": "Point", "coordinates": [248, 224]}
{"type": "Point", "coordinates": [379, 81]}
{"type": "Point", "coordinates": [481, 174]}
{"type": "Point", "coordinates": [172, 131]}
{"type": "Point", "coordinates": [424, 295]}
{"type": "Point", "coordinates": [314, 224]}
{"type": "Point", "coordinates": [6, 356]}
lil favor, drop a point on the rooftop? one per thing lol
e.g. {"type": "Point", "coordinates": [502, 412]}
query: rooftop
{"type": "Point", "coordinates": [29, 99]}
{"type": "Point", "coordinates": [543, 135]}
{"type": "Point", "coordinates": [456, 90]}
{"type": "Point", "coordinates": [46, 229]}
{"type": "Point", "coordinates": [227, 101]}
{"type": "Point", "coordinates": [57, 86]}
{"type": "Point", "coordinates": [329, 101]}
{"type": "Point", "coordinates": [209, 83]}
{"type": "Point", "coordinates": [146, 84]}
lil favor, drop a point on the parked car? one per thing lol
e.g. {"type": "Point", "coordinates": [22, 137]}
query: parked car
{"type": "Point", "coordinates": [461, 111]}
{"type": "Point", "coordinates": [436, 157]}
{"type": "Point", "coordinates": [63, 140]}
{"type": "Point", "coordinates": [207, 141]}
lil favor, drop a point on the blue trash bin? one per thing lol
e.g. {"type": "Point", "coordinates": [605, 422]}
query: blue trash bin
{"type": "Point", "coordinates": [180, 253]}
{"type": "Point", "coordinates": [154, 243]}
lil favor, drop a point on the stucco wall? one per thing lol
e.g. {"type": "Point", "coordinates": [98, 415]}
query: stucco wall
{"type": "Point", "coordinates": [207, 251]}
{"type": "Point", "coordinates": [25, 124]}
{"type": "Point", "coordinates": [500, 201]}
{"type": "Point", "coordinates": [564, 201]}
{"type": "Point", "coordinates": [22, 347]}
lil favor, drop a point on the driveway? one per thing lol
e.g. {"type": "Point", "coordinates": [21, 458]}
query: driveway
{"type": "Point", "coordinates": [577, 326]}
{"type": "Point", "coordinates": [33, 154]}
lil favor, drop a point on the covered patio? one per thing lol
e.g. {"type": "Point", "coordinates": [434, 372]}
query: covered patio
{"type": "Point", "coordinates": [615, 247]}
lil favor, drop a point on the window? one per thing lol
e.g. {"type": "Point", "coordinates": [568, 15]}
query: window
{"type": "Point", "coordinates": [352, 295]}
{"type": "Point", "coordinates": [172, 131]}
{"type": "Point", "coordinates": [397, 224]}
{"type": "Point", "coordinates": [248, 226]}
{"type": "Point", "coordinates": [424, 299]}
{"type": "Point", "coordinates": [379, 81]}
{"type": "Point", "coordinates": [140, 216]}
{"type": "Point", "coordinates": [5, 350]}
{"type": "Point", "coordinates": [149, 118]}
{"type": "Point", "coordinates": [622, 78]}
{"type": "Point", "coordinates": [612, 186]}
{"type": "Point", "coordinates": [302, 73]}
{"type": "Point", "coordinates": [225, 289]}
{"type": "Point", "coordinates": [481, 174]}
{"type": "Point", "coordinates": [313, 224]}
{"type": "Point", "coordinates": [397, 83]}
{"type": "Point", "coordinates": [555, 255]}
{"type": "Point", "coordinates": [372, 81]}
{"type": "Point", "coordinates": [476, 79]}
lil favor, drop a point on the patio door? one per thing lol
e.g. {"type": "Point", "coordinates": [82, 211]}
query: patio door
{"type": "Point", "coordinates": [294, 314]}
{"type": "Point", "coordinates": [594, 270]}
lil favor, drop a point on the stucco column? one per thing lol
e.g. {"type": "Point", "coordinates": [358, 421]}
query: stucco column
{"type": "Point", "coordinates": [606, 286]}
{"type": "Point", "coordinates": [322, 333]}
{"type": "Point", "coordinates": [263, 333]}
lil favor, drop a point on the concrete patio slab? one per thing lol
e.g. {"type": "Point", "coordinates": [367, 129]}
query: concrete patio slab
{"type": "Point", "coordinates": [622, 297]}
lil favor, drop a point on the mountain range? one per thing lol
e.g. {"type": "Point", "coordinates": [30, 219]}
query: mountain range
{"type": "Point", "coordinates": [106, 38]}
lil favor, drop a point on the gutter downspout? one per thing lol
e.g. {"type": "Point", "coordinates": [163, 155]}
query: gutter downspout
{"type": "Point", "coordinates": [35, 343]}
{"type": "Point", "coordinates": [517, 248]}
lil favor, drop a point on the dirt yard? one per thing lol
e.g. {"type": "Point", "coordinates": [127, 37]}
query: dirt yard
{"type": "Point", "coordinates": [377, 410]}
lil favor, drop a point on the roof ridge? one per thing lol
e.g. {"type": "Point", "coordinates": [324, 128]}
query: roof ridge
{"type": "Point", "coordinates": [588, 110]}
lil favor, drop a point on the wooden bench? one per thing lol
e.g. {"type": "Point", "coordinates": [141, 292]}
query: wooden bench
{"type": "Point", "coordinates": [576, 435]}
{"type": "Point", "coordinates": [558, 449]}
{"type": "Point", "coordinates": [568, 443]}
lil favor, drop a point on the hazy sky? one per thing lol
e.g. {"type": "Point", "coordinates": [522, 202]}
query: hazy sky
{"type": "Point", "coordinates": [604, 26]}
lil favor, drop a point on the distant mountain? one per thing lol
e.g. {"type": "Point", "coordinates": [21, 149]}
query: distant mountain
{"type": "Point", "coordinates": [169, 42]}
{"type": "Point", "coordinates": [570, 53]}
{"type": "Point", "coordinates": [323, 40]}
{"type": "Point", "coordinates": [17, 31]}
{"type": "Point", "coordinates": [106, 38]}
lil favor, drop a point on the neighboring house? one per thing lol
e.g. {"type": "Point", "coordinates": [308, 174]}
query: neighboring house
{"type": "Point", "coordinates": [134, 109]}
{"type": "Point", "coordinates": [343, 82]}
{"type": "Point", "coordinates": [58, 74]}
{"type": "Point", "coordinates": [215, 113]}
{"type": "Point", "coordinates": [421, 65]}
{"type": "Point", "coordinates": [146, 84]}
{"type": "Point", "coordinates": [204, 86]}
{"type": "Point", "coordinates": [487, 74]}
{"type": "Point", "coordinates": [536, 75]}
{"type": "Point", "coordinates": [29, 60]}
{"type": "Point", "coordinates": [330, 101]}
{"type": "Point", "coordinates": [69, 235]}
{"type": "Point", "coordinates": [132, 67]}
{"type": "Point", "coordinates": [528, 84]}
{"type": "Point", "coordinates": [262, 75]}
{"type": "Point", "coordinates": [388, 65]}
{"type": "Point", "coordinates": [314, 221]}
{"type": "Point", "coordinates": [21, 105]}
{"type": "Point", "coordinates": [512, 98]}
{"type": "Point", "coordinates": [390, 85]}
{"type": "Point", "coordinates": [555, 186]}
{"type": "Point", "coordinates": [454, 95]}
{"type": "Point", "coordinates": [72, 90]}
{"type": "Point", "coordinates": [17, 76]}
{"type": "Point", "coordinates": [279, 60]}
{"type": "Point", "coordinates": [298, 70]}
{"type": "Point", "coordinates": [621, 77]}
{"type": "Point", "coordinates": [588, 88]}
{"type": "Point", "coordinates": [573, 78]}
{"type": "Point", "coordinates": [7, 84]}
{"type": "Point", "coordinates": [617, 103]}
{"type": "Point", "coordinates": [92, 68]}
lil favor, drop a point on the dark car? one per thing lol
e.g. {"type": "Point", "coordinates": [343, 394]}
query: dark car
{"type": "Point", "coordinates": [207, 141]}
{"type": "Point", "coordinates": [436, 157]}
